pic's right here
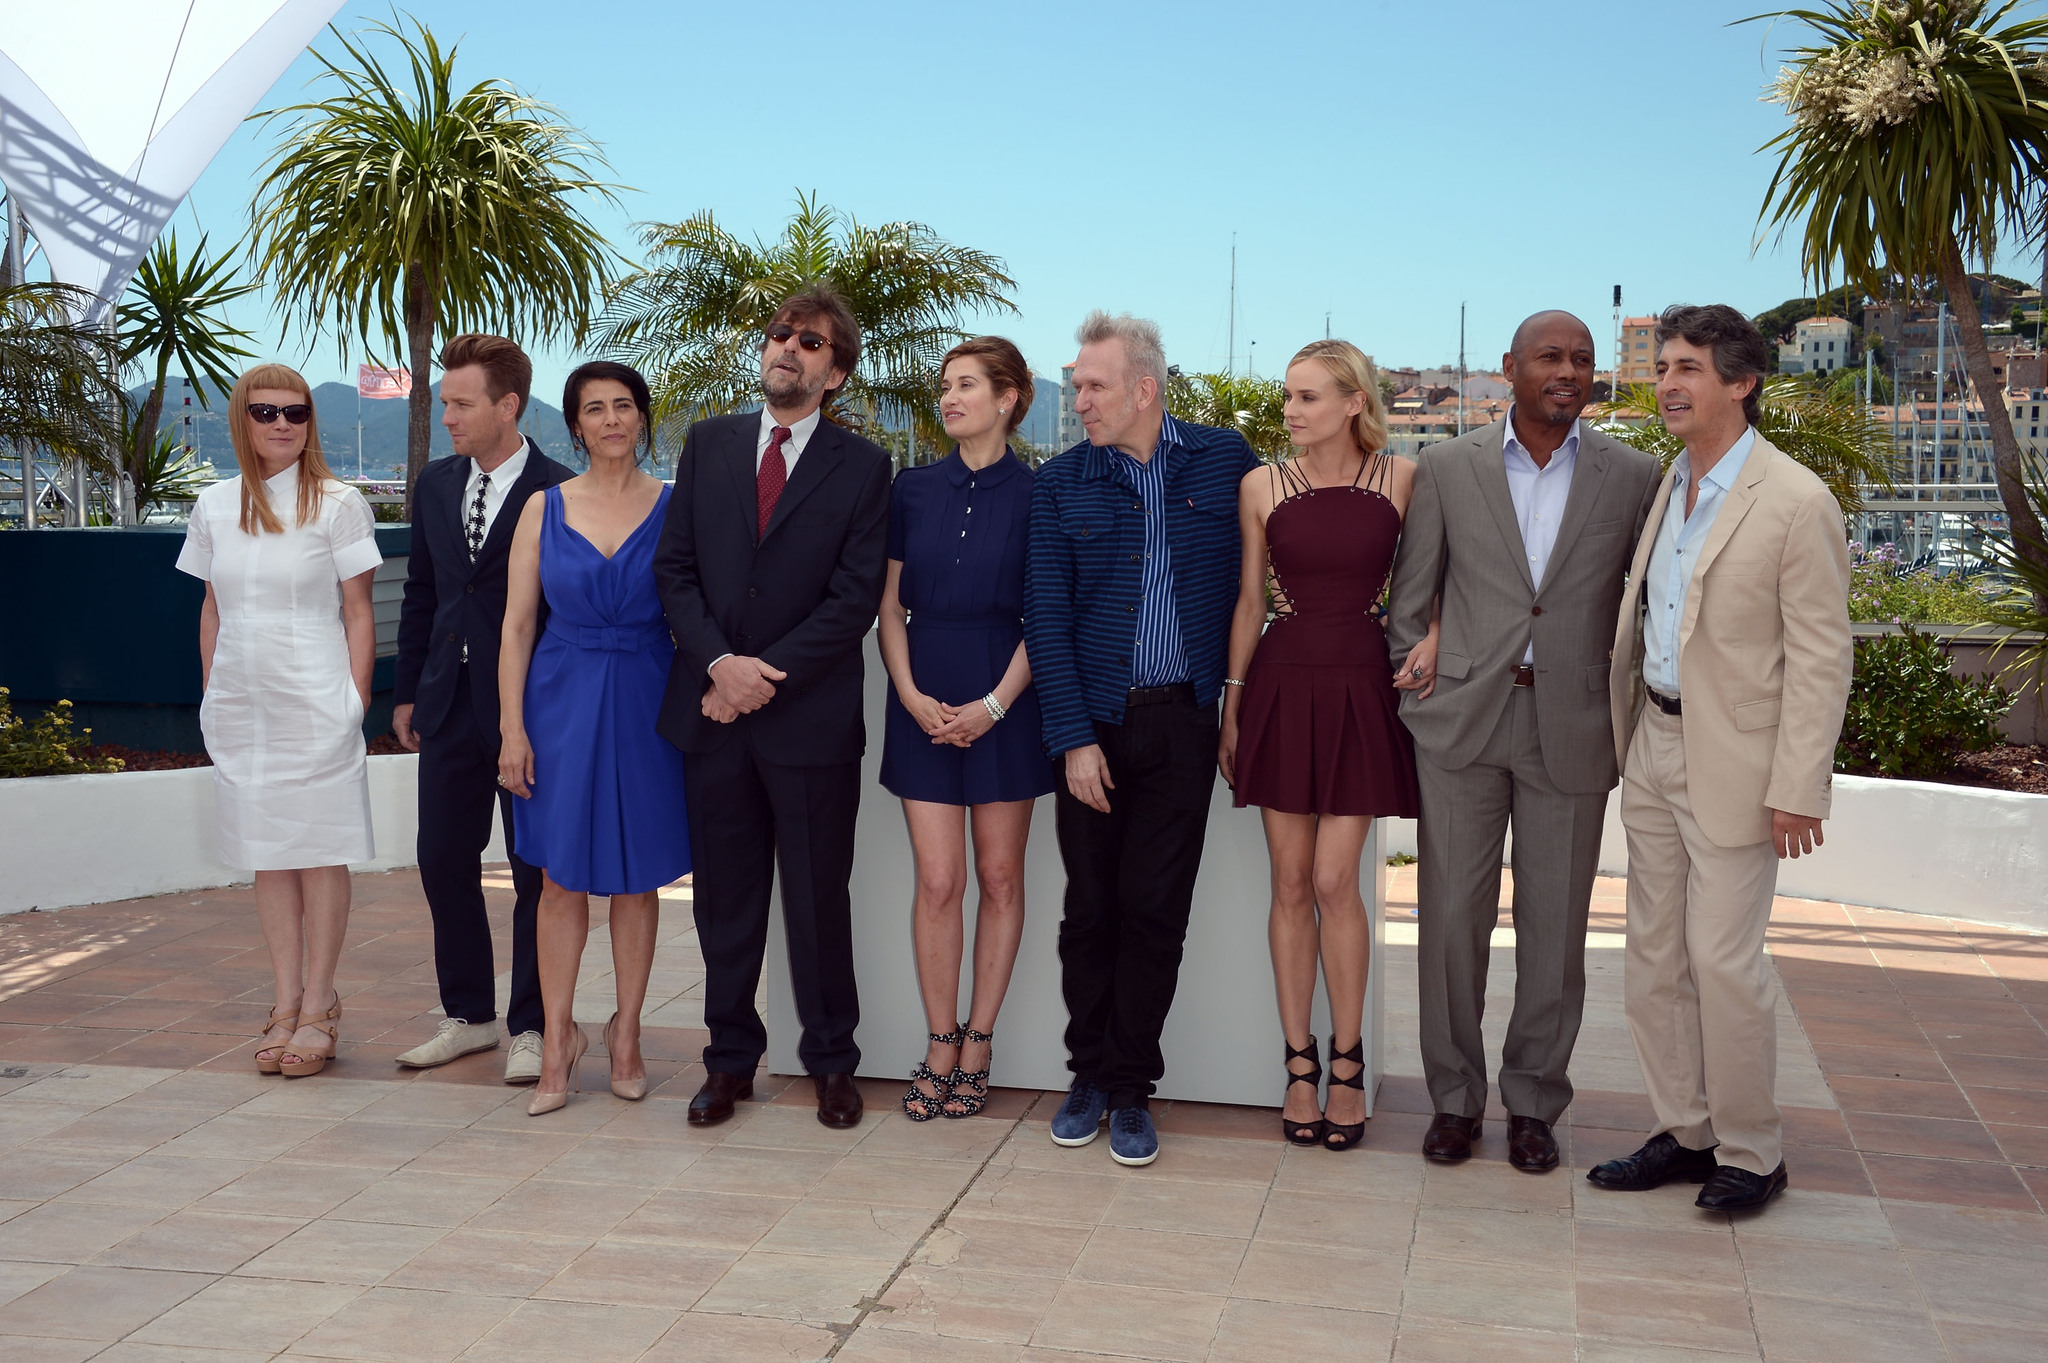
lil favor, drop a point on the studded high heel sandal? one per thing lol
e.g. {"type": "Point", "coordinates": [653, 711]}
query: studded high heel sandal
{"type": "Point", "coordinates": [970, 1087]}
{"type": "Point", "coordinates": [1308, 1132]}
{"type": "Point", "coordinates": [918, 1105]}
{"type": "Point", "coordinates": [1345, 1136]}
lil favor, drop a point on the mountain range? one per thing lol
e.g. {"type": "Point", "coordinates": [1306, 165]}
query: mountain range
{"type": "Point", "coordinates": [383, 427]}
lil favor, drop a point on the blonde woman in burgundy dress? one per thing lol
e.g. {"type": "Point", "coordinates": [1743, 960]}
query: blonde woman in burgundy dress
{"type": "Point", "coordinates": [1311, 728]}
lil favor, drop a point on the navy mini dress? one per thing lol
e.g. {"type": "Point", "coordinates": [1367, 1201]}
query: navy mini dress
{"type": "Point", "coordinates": [960, 536]}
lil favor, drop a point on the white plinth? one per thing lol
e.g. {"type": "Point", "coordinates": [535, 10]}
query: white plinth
{"type": "Point", "coordinates": [1222, 1042]}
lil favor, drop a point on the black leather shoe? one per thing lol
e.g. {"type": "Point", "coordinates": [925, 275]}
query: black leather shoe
{"type": "Point", "coordinates": [713, 1103]}
{"type": "Point", "coordinates": [1450, 1138]}
{"type": "Point", "coordinates": [839, 1102]}
{"type": "Point", "coordinates": [1738, 1190]}
{"type": "Point", "coordinates": [1661, 1160]}
{"type": "Point", "coordinates": [1531, 1146]}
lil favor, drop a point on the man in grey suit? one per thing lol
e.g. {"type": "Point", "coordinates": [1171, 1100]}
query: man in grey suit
{"type": "Point", "coordinates": [1517, 539]}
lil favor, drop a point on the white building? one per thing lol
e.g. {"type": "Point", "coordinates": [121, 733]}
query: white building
{"type": "Point", "coordinates": [1821, 345]}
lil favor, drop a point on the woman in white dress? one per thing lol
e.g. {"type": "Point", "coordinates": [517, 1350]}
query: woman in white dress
{"type": "Point", "coordinates": [286, 645]}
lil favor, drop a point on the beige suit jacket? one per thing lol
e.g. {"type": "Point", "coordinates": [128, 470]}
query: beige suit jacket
{"type": "Point", "coordinates": [1764, 656]}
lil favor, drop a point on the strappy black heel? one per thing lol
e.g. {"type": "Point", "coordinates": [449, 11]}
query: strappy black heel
{"type": "Point", "coordinates": [1308, 1132]}
{"type": "Point", "coordinates": [918, 1105]}
{"type": "Point", "coordinates": [970, 1087]}
{"type": "Point", "coordinates": [1337, 1136]}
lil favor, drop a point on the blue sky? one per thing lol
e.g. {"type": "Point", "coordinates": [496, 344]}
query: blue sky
{"type": "Point", "coordinates": [1380, 163]}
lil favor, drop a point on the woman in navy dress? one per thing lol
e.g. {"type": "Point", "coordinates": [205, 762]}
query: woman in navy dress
{"type": "Point", "coordinates": [962, 722]}
{"type": "Point", "coordinates": [600, 806]}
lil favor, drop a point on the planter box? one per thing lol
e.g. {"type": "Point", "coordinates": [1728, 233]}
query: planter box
{"type": "Point", "coordinates": [1951, 851]}
{"type": "Point", "coordinates": [122, 835]}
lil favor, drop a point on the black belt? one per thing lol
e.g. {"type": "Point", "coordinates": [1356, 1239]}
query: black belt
{"type": "Point", "coordinates": [1668, 704]}
{"type": "Point", "coordinates": [1525, 675]}
{"type": "Point", "coordinates": [1179, 693]}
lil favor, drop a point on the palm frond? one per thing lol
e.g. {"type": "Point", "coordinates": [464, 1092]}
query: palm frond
{"type": "Point", "coordinates": [1832, 435]}
{"type": "Point", "coordinates": [57, 387]}
{"type": "Point", "coordinates": [691, 319]}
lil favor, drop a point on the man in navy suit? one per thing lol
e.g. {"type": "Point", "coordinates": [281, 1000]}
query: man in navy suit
{"type": "Point", "coordinates": [464, 511]}
{"type": "Point", "coordinates": [770, 569]}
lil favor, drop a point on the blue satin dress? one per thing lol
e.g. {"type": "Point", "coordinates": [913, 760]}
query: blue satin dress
{"type": "Point", "coordinates": [607, 813]}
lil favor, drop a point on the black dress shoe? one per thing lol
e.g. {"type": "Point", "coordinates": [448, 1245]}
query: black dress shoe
{"type": "Point", "coordinates": [1450, 1138]}
{"type": "Point", "coordinates": [713, 1103]}
{"type": "Point", "coordinates": [1531, 1146]}
{"type": "Point", "coordinates": [839, 1102]}
{"type": "Point", "coordinates": [1738, 1190]}
{"type": "Point", "coordinates": [1661, 1160]}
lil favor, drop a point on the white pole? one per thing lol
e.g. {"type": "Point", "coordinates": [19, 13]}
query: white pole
{"type": "Point", "coordinates": [1461, 369]}
{"type": "Point", "coordinates": [14, 270]}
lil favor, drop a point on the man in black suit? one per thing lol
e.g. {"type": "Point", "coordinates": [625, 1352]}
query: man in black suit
{"type": "Point", "coordinates": [464, 511]}
{"type": "Point", "coordinates": [770, 569]}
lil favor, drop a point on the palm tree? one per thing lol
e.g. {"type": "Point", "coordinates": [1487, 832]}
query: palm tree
{"type": "Point", "coordinates": [1254, 407]}
{"type": "Point", "coordinates": [172, 315]}
{"type": "Point", "coordinates": [1832, 434]}
{"type": "Point", "coordinates": [692, 319]}
{"type": "Point", "coordinates": [1919, 127]}
{"type": "Point", "coordinates": [391, 212]}
{"type": "Point", "coordinates": [57, 388]}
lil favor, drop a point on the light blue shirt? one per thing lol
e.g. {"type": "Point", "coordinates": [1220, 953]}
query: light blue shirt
{"type": "Point", "coordinates": [1539, 495]}
{"type": "Point", "coordinates": [1674, 557]}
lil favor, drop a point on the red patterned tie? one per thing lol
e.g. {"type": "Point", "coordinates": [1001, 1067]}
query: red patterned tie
{"type": "Point", "coordinates": [769, 481]}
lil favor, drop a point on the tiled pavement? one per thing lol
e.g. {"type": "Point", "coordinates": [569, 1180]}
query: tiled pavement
{"type": "Point", "coordinates": [160, 1202]}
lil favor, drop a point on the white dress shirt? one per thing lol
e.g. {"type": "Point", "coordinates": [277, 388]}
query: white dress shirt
{"type": "Point", "coordinates": [1539, 495]}
{"type": "Point", "coordinates": [502, 479]}
{"type": "Point", "coordinates": [792, 448]}
{"type": "Point", "coordinates": [1674, 558]}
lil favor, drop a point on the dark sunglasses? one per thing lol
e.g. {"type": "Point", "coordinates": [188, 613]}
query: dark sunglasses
{"type": "Point", "coordinates": [809, 340]}
{"type": "Point", "coordinates": [264, 413]}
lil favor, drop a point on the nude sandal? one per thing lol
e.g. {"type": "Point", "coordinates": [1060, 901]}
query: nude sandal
{"type": "Point", "coordinates": [266, 1049]}
{"type": "Point", "coordinates": [299, 1066]}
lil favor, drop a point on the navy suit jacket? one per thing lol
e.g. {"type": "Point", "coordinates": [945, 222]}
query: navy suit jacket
{"type": "Point", "coordinates": [449, 600]}
{"type": "Point", "coordinates": [802, 597]}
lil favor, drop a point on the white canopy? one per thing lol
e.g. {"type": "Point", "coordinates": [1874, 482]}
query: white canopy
{"type": "Point", "coordinates": [110, 109]}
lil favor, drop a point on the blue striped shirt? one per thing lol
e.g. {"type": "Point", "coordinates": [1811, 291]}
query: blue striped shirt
{"type": "Point", "coordinates": [1157, 658]}
{"type": "Point", "coordinates": [1086, 577]}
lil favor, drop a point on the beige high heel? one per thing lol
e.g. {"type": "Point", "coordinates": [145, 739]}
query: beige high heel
{"type": "Point", "coordinates": [302, 1065]}
{"type": "Point", "coordinates": [266, 1049]}
{"type": "Point", "coordinates": [543, 1101]}
{"type": "Point", "coordinates": [632, 1090]}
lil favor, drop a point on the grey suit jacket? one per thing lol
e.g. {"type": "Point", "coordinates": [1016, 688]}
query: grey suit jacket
{"type": "Point", "coordinates": [1461, 542]}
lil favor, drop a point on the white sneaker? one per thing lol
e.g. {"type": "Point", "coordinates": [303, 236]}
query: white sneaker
{"type": "Point", "coordinates": [455, 1038]}
{"type": "Point", "coordinates": [522, 1064]}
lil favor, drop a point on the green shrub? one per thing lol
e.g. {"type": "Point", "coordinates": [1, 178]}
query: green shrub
{"type": "Point", "coordinates": [1909, 715]}
{"type": "Point", "coordinates": [1880, 592]}
{"type": "Point", "coordinates": [45, 745]}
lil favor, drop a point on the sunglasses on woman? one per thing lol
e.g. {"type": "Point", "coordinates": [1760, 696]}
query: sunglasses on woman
{"type": "Point", "coordinates": [809, 340]}
{"type": "Point", "coordinates": [265, 413]}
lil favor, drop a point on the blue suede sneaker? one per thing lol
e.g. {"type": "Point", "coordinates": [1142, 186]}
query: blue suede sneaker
{"type": "Point", "coordinates": [1131, 1137]}
{"type": "Point", "coordinates": [1080, 1116]}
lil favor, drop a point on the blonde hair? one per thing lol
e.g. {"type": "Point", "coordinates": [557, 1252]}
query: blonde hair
{"type": "Point", "coordinates": [258, 516]}
{"type": "Point", "coordinates": [1352, 372]}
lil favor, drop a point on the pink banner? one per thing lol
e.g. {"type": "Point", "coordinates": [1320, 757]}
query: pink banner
{"type": "Point", "coordinates": [373, 381]}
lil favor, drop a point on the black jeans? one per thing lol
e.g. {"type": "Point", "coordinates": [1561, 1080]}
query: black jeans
{"type": "Point", "coordinates": [458, 780]}
{"type": "Point", "coordinates": [1130, 886]}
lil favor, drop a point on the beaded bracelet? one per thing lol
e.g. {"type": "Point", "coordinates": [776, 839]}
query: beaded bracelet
{"type": "Point", "coordinates": [993, 706]}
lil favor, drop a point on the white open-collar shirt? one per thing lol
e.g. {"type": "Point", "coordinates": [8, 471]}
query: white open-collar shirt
{"type": "Point", "coordinates": [1539, 495]}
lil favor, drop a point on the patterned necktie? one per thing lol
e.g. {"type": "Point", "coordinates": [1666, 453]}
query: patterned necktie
{"type": "Point", "coordinates": [768, 483]}
{"type": "Point", "coordinates": [476, 517]}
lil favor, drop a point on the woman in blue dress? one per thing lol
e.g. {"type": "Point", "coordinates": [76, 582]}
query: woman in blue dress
{"type": "Point", "coordinates": [962, 722]}
{"type": "Point", "coordinates": [600, 806]}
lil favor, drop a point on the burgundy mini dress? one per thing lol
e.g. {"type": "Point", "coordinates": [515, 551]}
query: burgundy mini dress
{"type": "Point", "coordinates": [1319, 726]}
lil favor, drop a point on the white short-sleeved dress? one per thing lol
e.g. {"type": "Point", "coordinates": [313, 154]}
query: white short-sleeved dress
{"type": "Point", "coordinates": [281, 716]}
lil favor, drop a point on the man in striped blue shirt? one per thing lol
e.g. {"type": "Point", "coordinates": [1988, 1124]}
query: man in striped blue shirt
{"type": "Point", "coordinates": [1129, 584]}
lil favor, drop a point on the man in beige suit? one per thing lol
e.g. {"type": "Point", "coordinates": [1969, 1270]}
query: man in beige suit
{"type": "Point", "coordinates": [1736, 616]}
{"type": "Point", "coordinates": [1521, 532]}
